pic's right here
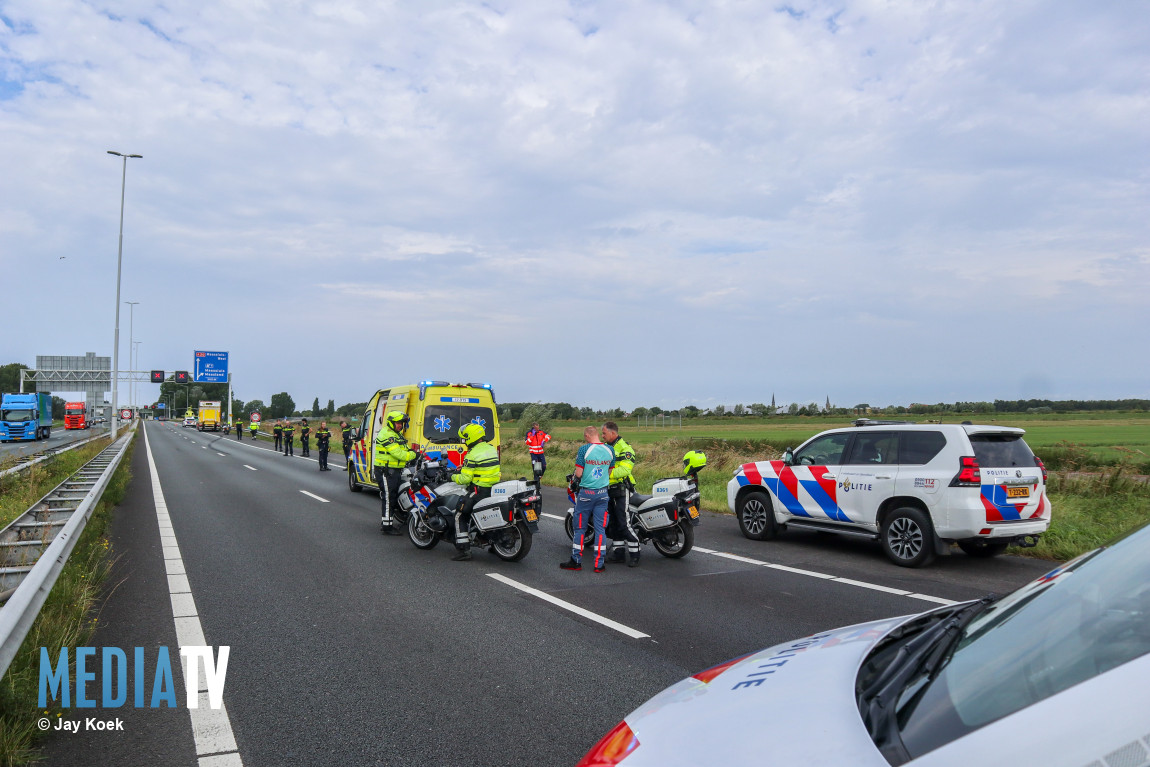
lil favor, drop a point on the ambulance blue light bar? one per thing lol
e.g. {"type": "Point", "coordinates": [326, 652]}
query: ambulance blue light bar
{"type": "Point", "coordinates": [480, 385]}
{"type": "Point", "coordinates": [433, 383]}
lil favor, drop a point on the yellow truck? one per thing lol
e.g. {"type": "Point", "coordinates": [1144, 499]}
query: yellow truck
{"type": "Point", "coordinates": [437, 409]}
{"type": "Point", "coordinates": [209, 415]}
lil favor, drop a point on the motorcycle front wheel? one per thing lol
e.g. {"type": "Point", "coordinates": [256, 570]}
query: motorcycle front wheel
{"type": "Point", "coordinates": [512, 544]}
{"type": "Point", "coordinates": [421, 536]}
{"type": "Point", "coordinates": [674, 542]}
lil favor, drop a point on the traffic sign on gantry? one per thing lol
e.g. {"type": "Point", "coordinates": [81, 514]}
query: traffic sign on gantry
{"type": "Point", "coordinates": [211, 367]}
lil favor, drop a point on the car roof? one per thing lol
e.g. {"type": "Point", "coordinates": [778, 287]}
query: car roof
{"type": "Point", "coordinates": [906, 426]}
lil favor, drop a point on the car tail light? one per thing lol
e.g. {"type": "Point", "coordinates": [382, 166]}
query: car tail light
{"type": "Point", "coordinates": [612, 749]}
{"type": "Point", "coordinates": [968, 473]}
{"type": "Point", "coordinates": [1038, 462]}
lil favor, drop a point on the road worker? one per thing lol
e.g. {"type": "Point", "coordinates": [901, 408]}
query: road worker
{"type": "Point", "coordinates": [480, 471]}
{"type": "Point", "coordinates": [323, 441]}
{"type": "Point", "coordinates": [390, 456]}
{"type": "Point", "coordinates": [619, 489]}
{"type": "Point", "coordinates": [255, 428]}
{"type": "Point", "coordinates": [536, 439]}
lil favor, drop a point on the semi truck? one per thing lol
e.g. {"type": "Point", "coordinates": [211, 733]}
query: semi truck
{"type": "Point", "coordinates": [76, 415]}
{"type": "Point", "coordinates": [25, 417]}
{"type": "Point", "coordinates": [209, 415]}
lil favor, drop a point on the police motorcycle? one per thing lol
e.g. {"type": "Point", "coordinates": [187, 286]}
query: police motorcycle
{"type": "Point", "coordinates": [504, 523]}
{"type": "Point", "coordinates": [668, 517]}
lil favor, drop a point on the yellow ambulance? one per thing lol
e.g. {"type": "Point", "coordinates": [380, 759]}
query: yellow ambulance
{"type": "Point", "coordinates": [437, 410]}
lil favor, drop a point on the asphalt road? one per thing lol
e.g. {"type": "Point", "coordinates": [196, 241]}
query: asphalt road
{"type": "Point", "coordinates": [60, 437]}
{"type": "Point", "coordinates": [348, 647]}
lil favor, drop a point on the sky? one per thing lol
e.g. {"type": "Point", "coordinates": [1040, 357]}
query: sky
{"type": "Point", "coordinates": [604, 203]}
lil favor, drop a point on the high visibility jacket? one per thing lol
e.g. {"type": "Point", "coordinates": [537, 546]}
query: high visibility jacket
{"type": "Point", "coordinates": [322, 438]}
{"type": "Point", "coordinates": [536, 439]}
{"type": "Point", "coordinates": [289, 432]}
{"type": "Point", "coordinates": [239, 424]}
{"type": "Point", "coordinates": [624, 461]}
{"type": "Point", "coordinates": [391, 450]}
{"type": "Point", "coordinates": [480, 467]}
{"type": "Point", "coordinates": [254, 426]}
{"type": "Point", "coordinates": [277, 429]}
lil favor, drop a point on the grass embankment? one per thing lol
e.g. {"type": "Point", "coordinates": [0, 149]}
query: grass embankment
{"type": "Point", "coordinates": [1088, 511]}
{"type": "Point", "coordinates": [65, 620]}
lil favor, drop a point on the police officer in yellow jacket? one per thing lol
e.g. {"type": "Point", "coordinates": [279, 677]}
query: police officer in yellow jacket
{"type": "Point", "coordinates": [391, 454]}
{"type": "Point", "coordinates": [619, 527]}
{"type": "Point", "coordinates": [480, 471]}
{"type": "Point", "coordinates": [289, 438]}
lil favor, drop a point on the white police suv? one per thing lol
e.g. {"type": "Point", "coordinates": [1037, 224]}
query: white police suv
{"type": "Point", "coordinates": [1055, 674]}
{"type": "Point", "coordinates": [913, 487]}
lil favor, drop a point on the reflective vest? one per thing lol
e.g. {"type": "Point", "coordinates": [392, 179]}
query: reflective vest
{"type": "Point", "coordinates": [480, 467]}
{"type": "Point", "coordinates": [624, 461]}
{"type": "Point", "coordinates": [536, 439]}
{"type": "Point", "coordinates": [391, 449]}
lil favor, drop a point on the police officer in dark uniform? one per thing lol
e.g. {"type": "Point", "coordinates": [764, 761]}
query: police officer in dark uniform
{"type": "Point", "coordinates": [322, 441]}
{"type": "Point", "coordinates": [305, 438]}
{"type": "Point", "coordinates": [289, 438]}
{"type": "Point", "coordinates": [347, 433]}
{"type": "Point", "coordinates": [278, 434]}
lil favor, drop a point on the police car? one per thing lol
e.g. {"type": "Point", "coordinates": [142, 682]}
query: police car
{"type": "Point", "coordinates": [915, 488]}
{"type": "Point", "coordinates": [1055, 673]}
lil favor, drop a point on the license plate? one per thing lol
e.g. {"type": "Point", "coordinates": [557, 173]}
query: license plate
{"type": "Point", "coordinates": [531, 515]}
{"type": "Point", "coordinates": [1018, 492]}
{"type": "Point", "coordinates": [693, 512]}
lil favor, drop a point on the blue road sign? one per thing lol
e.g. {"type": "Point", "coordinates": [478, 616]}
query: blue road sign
{"type": "Point", "coordinates": [211, 367]}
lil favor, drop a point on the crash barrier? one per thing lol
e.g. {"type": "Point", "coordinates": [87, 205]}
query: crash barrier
{"type": "Point", "coordinates": [23, 462]}
{"type": "Point", "coordinates": [36, 546]}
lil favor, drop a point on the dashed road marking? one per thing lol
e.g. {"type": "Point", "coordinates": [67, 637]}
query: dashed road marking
{"type": "Point", "coordinates": [552, 516]}
{"type": "Point", "coordinates": [633, 633]}
{"type": "Point", "coordinates": [313, 495]}
{"type": "Point", "coordinates": [253, 468]}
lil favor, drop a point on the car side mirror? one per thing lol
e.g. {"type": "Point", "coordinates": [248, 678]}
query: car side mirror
{"type": "Point", "coordinates": [788, 457]}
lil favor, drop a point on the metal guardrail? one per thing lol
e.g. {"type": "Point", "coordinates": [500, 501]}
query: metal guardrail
{"type": "Point", "coordinates": [23, 462]}
{"type": "Point", "coordinates": [36, 545]}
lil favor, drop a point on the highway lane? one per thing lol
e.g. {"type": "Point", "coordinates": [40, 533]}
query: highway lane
{"type": "Point", "coordinates": [59, 438]}
{"type": "Point", "coordinates": [349, 646]}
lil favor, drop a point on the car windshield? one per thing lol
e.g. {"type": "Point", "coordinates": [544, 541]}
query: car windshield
{"type": "Point", "coordinates": [441, 422]}
{"type": "Point", "coordinates": [16, 415]}
{"type": "Point", "coordinates": [75, 411]}
{"type": "Point", "coordinates": [1001, 451]}
{"type": "Point", "coordinates": [1074, 623]}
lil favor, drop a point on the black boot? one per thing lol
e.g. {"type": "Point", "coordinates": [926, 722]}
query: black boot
{"type": "Point", "coordinates": [633, 558]}
{"type": "Point", "coordinates": [571, 564]}
{"type": "Point", "coordinates": [616, 554]}
{"type": "Point", "coordinates": [463, 554]}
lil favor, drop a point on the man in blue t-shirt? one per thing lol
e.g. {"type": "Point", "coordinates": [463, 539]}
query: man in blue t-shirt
{"type": "Point", "coordinates": [592, 475]}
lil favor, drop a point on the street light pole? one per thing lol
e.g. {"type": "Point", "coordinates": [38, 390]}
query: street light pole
{"type": "Point", "coordinates": [136, 358]}
{"type": "Point", "coordinates": [119, 262]}
{"type": "Point", "coordinates": [131, 347]}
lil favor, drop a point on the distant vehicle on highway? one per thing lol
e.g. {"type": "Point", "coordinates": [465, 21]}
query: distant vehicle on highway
{"type": "Point", "coordinates": [210, 417]}
{"type": "Point", "coordinates": [25, 417]}
{"type": "Point", "coordinates": [913, 487]}
{"type": "Point", "coordinates": [1048, 675]}
{"type": "Point", "coordinates": [437, 409]}
{"type": "Point", "coordinates": [189, 420]}
{"type": "Point", "coordinates": [76, 416]}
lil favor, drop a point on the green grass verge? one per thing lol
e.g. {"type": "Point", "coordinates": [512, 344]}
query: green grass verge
{"type": "Point", "coordinates": [65, 620]}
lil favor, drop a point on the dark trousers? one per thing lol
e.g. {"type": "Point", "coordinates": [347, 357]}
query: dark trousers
{"type": "Point", "coordinates": [323, 457]}
{"type": "Point", "coordinates": [289, 445]}
{"type": "Point", "coordinates": [305, 443]}
{"type": "Point", "coordinates": [279, 438]}
{"type": "Point", "coordinates": [463, 516]}
{"type": "Point", "coordinates": [239, 432]}
{"type": "Point", "coordinates": [388, 481]}
{"type": "Point", "coordinates": [619, 528]}
{"type": "Point", "coordinates": [541, 460]}
{"type": "Point", "coordinates": [346, 452]}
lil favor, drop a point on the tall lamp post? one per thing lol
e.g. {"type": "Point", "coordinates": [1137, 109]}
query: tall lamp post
{"type": "Point", "coordinates": [136, 361]}
{"type": "Point", "coordinates": [119, 262]}
{"type": "Point", "coordinates": [131, 346]}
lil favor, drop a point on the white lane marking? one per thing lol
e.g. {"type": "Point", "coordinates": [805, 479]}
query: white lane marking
{"type": "Point", "coordinates": [313, 495]}
{"type": "Point", "coordinates": [211, 728]}
{"type": "Point", "coordinates": [203, 447]}
{"type": "Point", "coordinates": [219, 453]}
{"type": "Point", "coordinates": [553, 516]}
{"type": "Point", "coordinates": [253, 468]}
{"type": "Point", "coordinates": [634, 634]}
{"type": "Point", "coordinates": [827, 577]}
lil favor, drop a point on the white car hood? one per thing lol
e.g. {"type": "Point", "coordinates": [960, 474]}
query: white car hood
{"type": "Point", "coordinates": [789, 704]}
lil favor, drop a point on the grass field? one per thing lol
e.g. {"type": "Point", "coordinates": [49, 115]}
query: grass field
{"type": "Point", "coordinates": [1087, 511]}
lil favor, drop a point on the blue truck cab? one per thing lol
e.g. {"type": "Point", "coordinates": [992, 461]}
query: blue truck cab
{"type": "Point", "coordinates": [25, 417]}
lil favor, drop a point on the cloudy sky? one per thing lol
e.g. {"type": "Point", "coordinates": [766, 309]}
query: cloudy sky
{"type": "Point", "coordinates": [608, 203]}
